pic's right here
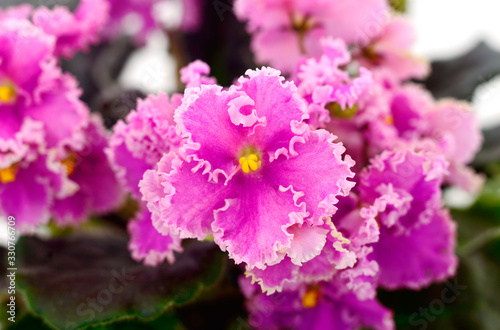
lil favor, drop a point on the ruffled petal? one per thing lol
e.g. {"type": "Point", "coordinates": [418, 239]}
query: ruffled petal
{"type": "Point", "coordinates": [29, 196]}
{"type": "Point", "coordinates": [24, 50]}
{"type": "Point", "coordinates": [252, 229]}
{"type": "Point", "coordinates": [196, 73]}
{"type": "Point", "coordinates": [420, 257]}
{"type": "Point", "coordinates": [99, 191]}
{"type": "Point", "coordinates": [273, 278]}
{"type": "Point", "coordinates": [74, 31]}
{"type": "Point", "coordinates": [318, 171]}
{"type": "Point", "coordinates": [180, 200]}
{"type": "Point", "coordinates": [213, 139]}
{"type": "Point", "coordinates": [403, 187]}
{"type": "Point", "coordinates": [147, 245]}
{"type": "Point", "coordinates": [139, 142]}
{"type": "Point", "coordinates": [63, 115]}
{"type": "Point", "coordinates": [278, 108]}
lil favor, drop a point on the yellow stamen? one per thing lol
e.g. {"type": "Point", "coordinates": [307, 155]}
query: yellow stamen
{"type": "Point", "coordinates": [249, 163]}
{"type": "Point", "coordinates": [310, 298]}
{"type": "Point", "coordinates": [389, 120]}
{"type": "Point", "coordinates": [7, 94]}
{"type": "Point", "coordinates": [8, 174]}
{"type": "Point", "coordinates": [70, 164]}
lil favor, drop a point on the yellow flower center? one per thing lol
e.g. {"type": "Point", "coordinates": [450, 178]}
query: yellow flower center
{"type": "Point", "coordinates": [70, 164]}
{"type": "Point", "coordinates": [389, 120]}
{"type": "Point", "coordinates": [7, 93]}
{"type": "Point", "coordinates": [310, 298]}
{"type": "Point", "coordinates": [8, 174]}
{"type": "Point", "coordinates": [250, 163]}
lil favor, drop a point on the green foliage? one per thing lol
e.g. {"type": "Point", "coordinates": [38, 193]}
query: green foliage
{"type": "Point", "coordinates": [76, 281]}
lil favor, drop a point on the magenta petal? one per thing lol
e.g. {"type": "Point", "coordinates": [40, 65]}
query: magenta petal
{"type": "Point", "coordinates": [128, 168]}
{"type": "Point", "coordinates": [23, 144]}
{"type": "Point", "coordinates": [368, 313]}
{"type": "Point", "coordinates": [71, 210]}
{"type": "Point", "coordinates": [419, 258]}
{"type": "Point", "coordinates": [139, 142]}
{"type": "Point", "coordinates": [180, 200]}
{"type": "Point", "coordinates": [28, 197]}
{"type": "Point", "coordinates": [279, 48]}
{"type": "Point", "coordinates": [307, 242]}
{"type": "Point", "coordinates": [348, 313]}
{"type": "Point", "coordinates": [278, 104]}
{"type": "Point", "coordinates": [147, 244]}
{"type": "Point", "coordinates": [272, 278]}
{"type": "Point", "coordinates": [203, 118]}
{"type": "Point", "coordinates": [196, 73]}
{"type": "Point", "coordinates": [318, 171]}
{"type": "Point", "coordinates": [94, 173]}
{"type": "Point", "coordinates": [24, 50]}
{"type": "Point", "coordinates": [447, 123]}
{"type": "Point", "coordinates": [74, 31]}
{"type": "Point", "coordinates": [253, 229]}
{"type": "Point", "coordinates": [64, 116]}
{"type": "Point", "coordinates": [404, 186]}
{"type": "Point", "coordinates": [131, 17]}
{"type": "Point", "coordinates": [99, 191]}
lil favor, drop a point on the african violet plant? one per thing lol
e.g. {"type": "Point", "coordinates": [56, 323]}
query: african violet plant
{"type": "Point", "coordinates": [320, 174]}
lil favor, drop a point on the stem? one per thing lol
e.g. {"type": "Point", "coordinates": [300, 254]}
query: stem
{"type": "Point", "coordinates": [479, 241]}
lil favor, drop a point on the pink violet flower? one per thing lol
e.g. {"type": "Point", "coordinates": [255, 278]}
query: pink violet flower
{"type": "Point", "coordinates": [136, 145]}
{"type": "Point", "coordinates": [334, 94]}
{"type": "Point", "coordinates": [74, 31]}
{"type": "Point", "coordinates": [346, 246]}
{"type": "Point", "coordinates": [455, 129]}
{"type": "Point", "coordinates": [191, 15]}
{"type": "Point", "coordinates": [284, 31]}
{"type": "Point", "coordinates": [322, 81]}
{"type": "Point", "coordinates": [147, 244]}
{"type": "Point", "coordinates": [52, 161]}
{"type": "Point", "coordinates": [250, 172]}
{"type": "Point", "coordinates": [196, 74]}
{"type": "Point", "coordinates": [345, 301]}
{"type": "Point", "coordinates": [402, 190]}
{"type": "Point", "coordinates": [28, 187]}
{"type": "Point", "coordinates": [40, 105]}
{"type": "Point", "coordinates": [410, 115]}
{"type": "Point", "coordinates": [423, 256]}
{"type": "Point", "coordinates": [98, 189]}
{"type": "Point", "coordinates": [389, 53]}
{"type": "Point", "coordinates": [20, 12]}
{"type": "Point", "coordinates": [131, 17]}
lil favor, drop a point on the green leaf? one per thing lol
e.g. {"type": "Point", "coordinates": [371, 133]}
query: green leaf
{"type": "Point", "coordinates": [166, 321]}
{"type": "Point", "coordinates": [77, 281]}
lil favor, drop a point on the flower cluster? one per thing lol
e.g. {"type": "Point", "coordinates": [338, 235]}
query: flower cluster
{"type": "Point", "coordinates": [324, 185]}
{"type": "Point", "coordinates": [52, 160]}
{"type": "Point", "coordinates": [136, 146]}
